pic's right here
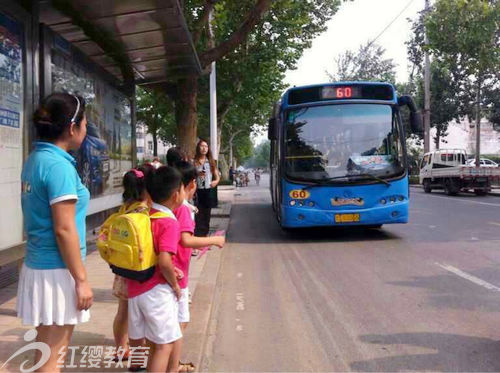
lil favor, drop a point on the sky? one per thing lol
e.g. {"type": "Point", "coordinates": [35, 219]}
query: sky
{"type": "Point", "coordinates": [356, 23]}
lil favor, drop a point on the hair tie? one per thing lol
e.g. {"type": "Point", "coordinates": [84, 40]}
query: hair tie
{"type": "Point", "coordinates": [138, 173]}
{"type": "Point", "coordinates": [73, 120]}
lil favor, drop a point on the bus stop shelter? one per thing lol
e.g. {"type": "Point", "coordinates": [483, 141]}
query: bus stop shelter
{"type": "Point", "coordinates": [102, 50]}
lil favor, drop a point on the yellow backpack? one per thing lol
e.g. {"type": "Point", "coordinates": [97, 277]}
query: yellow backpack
{"type": "Point", "coordinates": [125, 241]}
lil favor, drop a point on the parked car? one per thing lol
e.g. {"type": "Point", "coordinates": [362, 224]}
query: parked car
{"type": "Point", "coordinates": [483, 162]}
{"type": "Point", "coordinates": [93, 161]}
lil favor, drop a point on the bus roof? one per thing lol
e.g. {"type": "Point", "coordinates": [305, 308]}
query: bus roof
{"type": "Point", "coordinates": [345, 91]}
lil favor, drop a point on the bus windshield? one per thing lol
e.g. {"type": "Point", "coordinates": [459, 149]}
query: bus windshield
{"type": "Point", "coordinates": [344, 143]}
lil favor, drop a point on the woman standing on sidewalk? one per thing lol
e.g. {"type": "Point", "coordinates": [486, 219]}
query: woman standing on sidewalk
{"type": "Point", "coordinates": [206, 194]}
{"type": "Point", "coordinates": [53, 292]}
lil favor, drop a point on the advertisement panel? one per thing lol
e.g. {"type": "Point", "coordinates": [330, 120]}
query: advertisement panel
{"type": "Point", "coordinates": [11, 129]}
{"type": "Point", "coordinates": [106, 152]}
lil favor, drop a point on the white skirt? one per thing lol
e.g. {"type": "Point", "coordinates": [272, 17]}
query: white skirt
{"type": "Point", "coordinates": [48, 297]}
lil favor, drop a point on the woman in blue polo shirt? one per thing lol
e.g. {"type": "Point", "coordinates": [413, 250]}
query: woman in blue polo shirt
{"type": "Point", "coordinates": [54, 294]}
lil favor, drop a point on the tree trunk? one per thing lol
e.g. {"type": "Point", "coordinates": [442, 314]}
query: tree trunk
{"type": "Point", "coordinates": [155, 143]}
{"type": "Point", "coordinates": [186, 114]}
{"type": "Point", "coordinates": [223, 166]}
{"type": "Point", "coordinates": [437, 139]}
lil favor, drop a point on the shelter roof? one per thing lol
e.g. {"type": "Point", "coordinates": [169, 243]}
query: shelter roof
{"type": "Point", "coordinates": [139, 41]}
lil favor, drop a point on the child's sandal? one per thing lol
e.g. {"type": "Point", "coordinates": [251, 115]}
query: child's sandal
{"type": "Point", "coordinates": [186, 367]}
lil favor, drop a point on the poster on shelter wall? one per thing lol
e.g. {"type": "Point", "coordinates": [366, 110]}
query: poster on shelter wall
{"type": "Point", "coordinates": [106, 153]}
{"type": "Point", "coordinates": [11, 126]}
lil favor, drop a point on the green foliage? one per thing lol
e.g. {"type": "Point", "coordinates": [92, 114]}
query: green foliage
{"type": "Point", "coordinates": [367, 63]}
{"type": "Point", "coordinates": [249, 78]}
{"type": "Point", "coordinates": [156, 111]}
{"type": "Point", "coordinates": [464, 36]}
{"type": "Point", "coordinates": [465, 33]}
{"type": "Point", "coordinates": [261, 155]}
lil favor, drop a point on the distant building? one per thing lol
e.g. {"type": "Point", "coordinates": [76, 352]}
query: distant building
{"type": "Point", "coordinates": [463, 136]}
{"type": "Point", "coordinates": [145, 144]}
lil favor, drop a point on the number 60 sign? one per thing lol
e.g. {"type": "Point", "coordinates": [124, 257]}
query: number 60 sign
{"type": "Point", "coordinates": [299, 194]}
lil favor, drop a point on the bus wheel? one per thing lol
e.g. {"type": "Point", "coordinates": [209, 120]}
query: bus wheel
{"type": "Point", "coordinates": [427, 186]}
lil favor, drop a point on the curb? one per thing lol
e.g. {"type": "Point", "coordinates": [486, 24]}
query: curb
{"type": "Point", "coordinates": [199, 333]}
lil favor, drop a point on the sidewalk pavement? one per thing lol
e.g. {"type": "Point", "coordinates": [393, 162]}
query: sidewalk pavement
{"type": "Point", "coordinates": [99, 330]}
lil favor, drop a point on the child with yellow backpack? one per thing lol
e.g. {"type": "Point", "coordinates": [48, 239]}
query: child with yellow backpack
{"type": "Point", "coordinates": [136, 200]}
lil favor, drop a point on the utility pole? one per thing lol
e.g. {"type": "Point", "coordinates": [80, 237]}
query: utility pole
{"type": "Point", "coordinates": [478, 124]}
{"type": "Point", "coordinates": [427, 92]}
{"type": "Point", "coordinates": [213, 98]}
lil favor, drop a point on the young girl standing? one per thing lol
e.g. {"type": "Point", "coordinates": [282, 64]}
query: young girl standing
{"type": "Point", "coordinates": [134, 194]}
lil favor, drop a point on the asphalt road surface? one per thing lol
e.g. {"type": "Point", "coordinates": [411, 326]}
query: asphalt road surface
{"type": "Point", "coordinates": [415, 297]}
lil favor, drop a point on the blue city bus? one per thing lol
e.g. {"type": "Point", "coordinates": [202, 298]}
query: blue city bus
{"type": "Point", "coordinates": [338, 155]}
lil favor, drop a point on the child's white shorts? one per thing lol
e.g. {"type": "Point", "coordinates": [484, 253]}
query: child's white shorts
{"type": "Point", "coordinates": [154, 315]}
{"type": "Point", "coordinates": [184, 315]}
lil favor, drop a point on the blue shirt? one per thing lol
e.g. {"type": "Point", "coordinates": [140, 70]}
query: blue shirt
{"type": "Point", "coordinates": [49, 176]}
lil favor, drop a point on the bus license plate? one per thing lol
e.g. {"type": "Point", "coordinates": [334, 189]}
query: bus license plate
{"type": "Point", "coordinates": [346, 218]}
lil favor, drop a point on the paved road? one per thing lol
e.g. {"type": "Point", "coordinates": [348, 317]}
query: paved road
{"type": "Point", "coordinates": [421, 296]}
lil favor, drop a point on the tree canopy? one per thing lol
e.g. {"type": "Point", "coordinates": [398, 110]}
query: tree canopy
{"type": "Point", "coordinates": [367, 63]}
{"type": "Point", "coordinates": [464, 38]}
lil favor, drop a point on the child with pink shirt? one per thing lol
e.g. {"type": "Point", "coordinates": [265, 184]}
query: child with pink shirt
{"type": "Point", "coordinates": [187, 241]}
{"type": "Point", "coordinates": [153, 304]}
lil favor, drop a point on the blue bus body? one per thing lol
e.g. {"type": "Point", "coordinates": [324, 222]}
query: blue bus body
{"type": "Point", "coordinates": [318, 178]}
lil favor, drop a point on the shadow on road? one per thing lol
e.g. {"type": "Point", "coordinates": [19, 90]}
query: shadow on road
{"type": "Point", "coordinates": [256, 223]}
{"type": "Point", "coordinates": [453, 353]}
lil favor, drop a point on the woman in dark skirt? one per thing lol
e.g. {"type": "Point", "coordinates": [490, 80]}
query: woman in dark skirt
{"type": "Point", "coordinates": [206, 194]}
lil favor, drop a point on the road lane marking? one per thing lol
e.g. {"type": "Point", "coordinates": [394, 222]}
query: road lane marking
{"type": "Point", "coordinates": [469, 277]}
{"type": "Point", "coordinates": [493, 223]}
{"type": "Point", "coordinates": [239, 275]}
{"type": "Point", "coordinates": [240, 302]}
{"type": "Point", "coordinates": [464, 200]}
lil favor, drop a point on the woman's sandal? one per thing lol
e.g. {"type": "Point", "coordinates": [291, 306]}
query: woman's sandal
{"type": "Point", "coordinates": [186, 367]}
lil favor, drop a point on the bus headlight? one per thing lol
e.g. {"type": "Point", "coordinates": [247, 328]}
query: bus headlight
{"type": "Point", "coordinates": [292, 203]}
{"type": "Point", "coordinates": [393, 199]}
{"type": "Point", "coordinates": [401, 198]}
{"type": "Point", "coordinates": [383, 201]}
{"type": "Point", "coordinates": [301, 203]}
{"type": "Point", "coordinates": [311, 204]}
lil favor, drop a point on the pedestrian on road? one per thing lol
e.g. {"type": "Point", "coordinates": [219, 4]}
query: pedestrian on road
{"type": "Point", "coordinates": [231, 174]}
{"type": "Point", "coordinates": [53, 291]}
{"type": "Point", "coordinates": [206, 194]}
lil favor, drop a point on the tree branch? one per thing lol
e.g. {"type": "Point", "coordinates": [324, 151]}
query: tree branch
{"type": "Point", "coordinates": [203, 20]}
{"type": "Point", "coordinates": [238, 36]}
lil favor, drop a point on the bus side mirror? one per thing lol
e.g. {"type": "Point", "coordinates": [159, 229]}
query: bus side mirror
{"type": "Point", "coordinates": [415, 116]}
{"type": "Point", "coordinates": [271, 131]}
